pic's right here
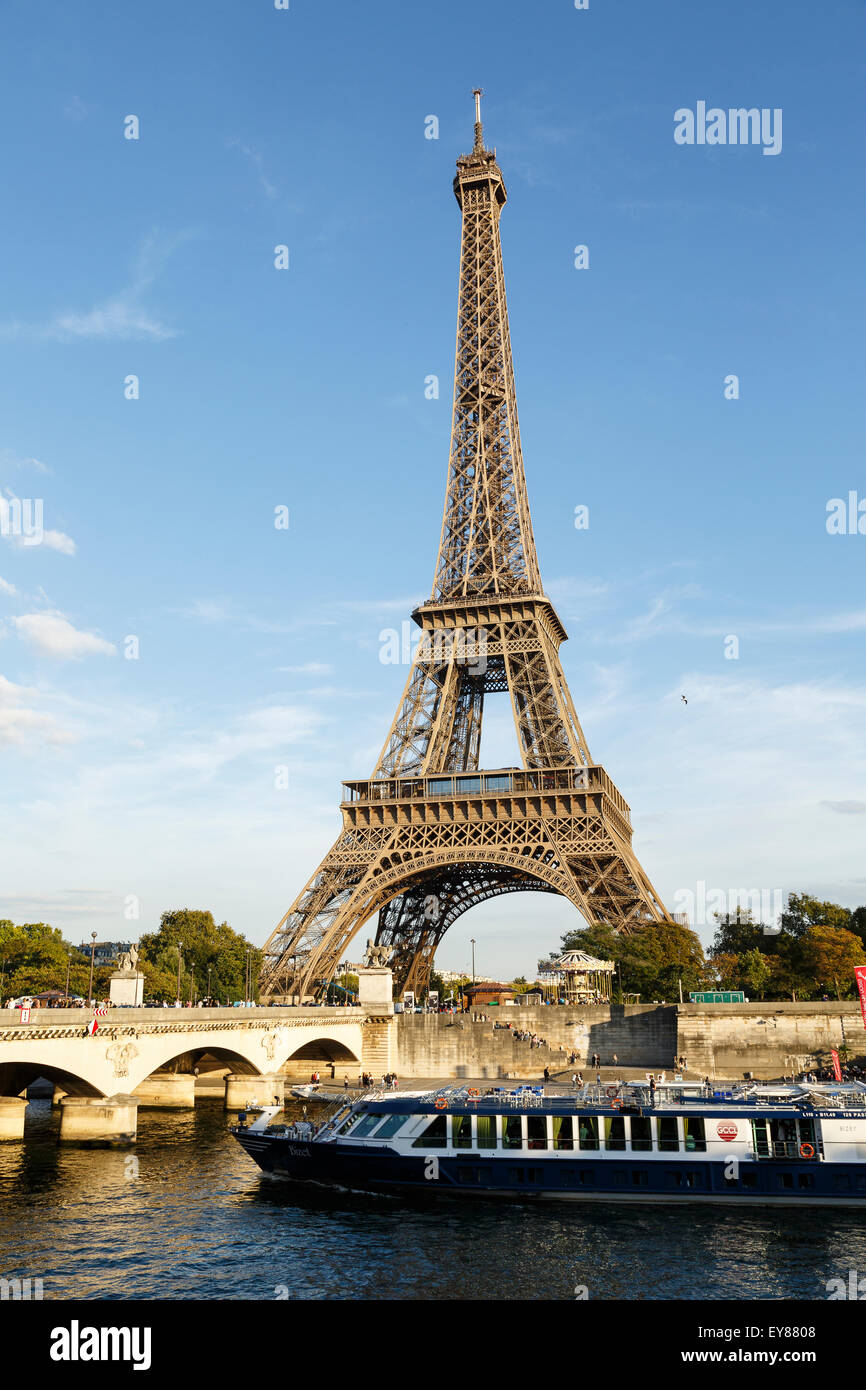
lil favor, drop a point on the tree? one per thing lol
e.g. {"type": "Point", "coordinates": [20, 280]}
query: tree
{"type": "Point", "coordinates": [725, 966]}
{"type": "Point", "coordinates": [831, 954]}
{"type": "Point", "coordinates": [805, 912]}
{"type": "Point", "coordinates": [206, 948]}
{"type": "Point", "coordinates": [657, 956]}
{"type": "Point", "coordinates": [756, 972]}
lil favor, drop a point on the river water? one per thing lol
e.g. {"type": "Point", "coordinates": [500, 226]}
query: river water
{"type": "Point", "coordinates": [187, 1215]}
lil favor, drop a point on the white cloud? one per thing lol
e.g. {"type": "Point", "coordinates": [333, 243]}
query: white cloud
{"type": "Point", "coordinates": [20, 724]}
{"type": "Point", "coordinates": [53, 635]}
{"type": "Point", "coordinates": [270, 190]}
{"type": "Point", "coordinates": [58, 540]}
{"type": "Point", "coordinates": [309, 668]}
{"type": "Point", "coordinates": [122, 316]}
{"type": "Point", "coordinates": [6, 587]}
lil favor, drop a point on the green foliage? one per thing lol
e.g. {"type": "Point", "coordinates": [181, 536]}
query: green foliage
{"type": "Point", "coordinates": [202, 944]}
{"type": "Point", "coordinates": [650, 961]}
{"type": "Point", "coordinates": [34, 958]}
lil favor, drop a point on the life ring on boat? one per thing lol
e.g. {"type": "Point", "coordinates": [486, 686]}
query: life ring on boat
{"type": "Point", "coordinates": [612, 1091]}
{"type": "Point", "coordinates": [472, 1093]}
{"type": "Point", "coordinates": [616, 1105]}
{"type": "Point", "coordinates": [441, 1103]}
{"type": "Point", "coordinates": [807, 1151]}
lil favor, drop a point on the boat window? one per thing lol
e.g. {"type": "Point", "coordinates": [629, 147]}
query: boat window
{"type": "Point", "coordinates": [563, 1136]}
{"type": "Point", "coordinates": [641, 1133]}
{"type": "Point", "coordinates": [390, 1126]}
{"type": "Point", "coordinates": [807, 1133]}
{"type": "Point", "coordinates": [614, 1132]}
{"type": "Point", "coordinates": [434, 1136]}
{"type": "Point", "coordinates": [762, 1142]}
{"type": "Point", "coordinates": [351, 1122]}
{"type": "Point", "coordinates": [694, 1130]}
{"type": "Point", "coordinates": [461, 1131]}
{"type": "Point", "coordinates": [536, 1131]}
{"type": "Point", "coordinates": [669, 1137]}
{"type": "Point", "coordinates": [588, 1132]}
{"type": "Point", "coordinates": [368, 1123]}
{"type": "Point", "coordinates": [512, 1135]}
{"type": "Point", "coordinates": [486, 1130]}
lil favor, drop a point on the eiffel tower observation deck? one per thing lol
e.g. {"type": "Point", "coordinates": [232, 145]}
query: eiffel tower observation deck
{"type": "Point", "coordinates": [430, 833]}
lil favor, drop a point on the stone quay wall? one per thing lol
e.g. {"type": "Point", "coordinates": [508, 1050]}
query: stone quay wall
{"type": "Point", "coordinates": [769, 1039]}
{"type": "Point", "coordinates": [720, 1040]}
{"type": "Point", "coordinates": [445, 1045]}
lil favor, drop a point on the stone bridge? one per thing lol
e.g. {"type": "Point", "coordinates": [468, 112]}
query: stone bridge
{"type": "Point", "coordinates": [152, 1056]}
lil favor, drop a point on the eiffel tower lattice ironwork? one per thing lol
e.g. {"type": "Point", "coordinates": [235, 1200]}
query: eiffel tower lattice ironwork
{"type": "Point", "coordinates": [430, 834]}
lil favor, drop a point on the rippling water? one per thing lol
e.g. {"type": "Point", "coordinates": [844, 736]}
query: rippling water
{"type": "Point", "coordinates": [200, 1221]}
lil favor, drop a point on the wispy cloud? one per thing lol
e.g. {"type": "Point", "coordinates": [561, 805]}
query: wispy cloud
{"type": "Point", "coordinates": [122, 315]}
{"type": "Point", "coordinates": [21, 724]}
{"type": "Point", "coordinates": [53, 635]}
{"type": "Point", "coordinates": [269, 189]}
{"type": "Point", "coordinates": [309, 668]}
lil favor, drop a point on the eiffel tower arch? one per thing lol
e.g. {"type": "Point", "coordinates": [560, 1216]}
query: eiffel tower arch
{"type": "Point", "coordinates": [430, 833]}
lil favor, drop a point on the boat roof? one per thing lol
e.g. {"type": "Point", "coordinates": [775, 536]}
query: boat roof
{"type": "Point", "coordinates": [624, 1097]}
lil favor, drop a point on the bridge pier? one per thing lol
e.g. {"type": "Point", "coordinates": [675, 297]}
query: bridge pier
{"type": "Point", "coordinates": [242, 1091]}
{"type": "Point", "coordinates": [166, 1091]}
{"type": "Point", "coordinates": [12, 1117]}
{"type": "Point", "coordinates": [98, 1120]}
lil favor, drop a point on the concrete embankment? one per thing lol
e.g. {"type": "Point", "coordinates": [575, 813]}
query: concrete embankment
{"type": "Point", "coordinates": [719, 1040]}
{"type": "Point", "coordinates": [768, 1039]}
{"type": "Point", "coordinates": [457, 1046]}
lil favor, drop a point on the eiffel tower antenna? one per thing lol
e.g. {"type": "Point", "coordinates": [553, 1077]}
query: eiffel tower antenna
{"type": "Point", "coordinates": [430, 834]}
{"type": "Point", "coordinates": [479, 133]}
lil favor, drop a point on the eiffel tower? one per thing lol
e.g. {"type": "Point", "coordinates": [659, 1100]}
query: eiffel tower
{"type": "Point", "coordinates": [430, 834]}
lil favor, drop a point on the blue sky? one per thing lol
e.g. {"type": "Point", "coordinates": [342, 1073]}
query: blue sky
{"type": "Point", "coordinates": [153, 780]}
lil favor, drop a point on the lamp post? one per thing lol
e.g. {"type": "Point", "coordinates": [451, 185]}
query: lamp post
{"type": "Point", "coordinates": [68, 964]}
{"type": "Point", "coordinates": [209, 969]}
{"type": "Point", "coordinates": [92, 951]}
{"type": "Point", "coordinates": [179, 965]}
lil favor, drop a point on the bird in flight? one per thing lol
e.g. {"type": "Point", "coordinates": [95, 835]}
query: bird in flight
{"type": "Point", "coordinates": [684, 700]}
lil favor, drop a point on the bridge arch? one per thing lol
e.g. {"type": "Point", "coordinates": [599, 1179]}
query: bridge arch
{"type": "Point", "coordinates": [17, 1075]}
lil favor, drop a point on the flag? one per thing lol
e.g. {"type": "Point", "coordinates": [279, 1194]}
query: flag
{"type": "Point", "coordinates": [860, 977]}
{"type": "Point", "coordinates": [91, 1028]}
{"type": "Point", "coordinates": [837, 1070]}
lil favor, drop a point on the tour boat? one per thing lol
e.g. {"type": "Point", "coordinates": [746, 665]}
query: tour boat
{"type": "Point", "coordinates": [676, 1142]}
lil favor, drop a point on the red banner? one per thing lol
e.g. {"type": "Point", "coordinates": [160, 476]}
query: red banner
{"type": "Point", "coordinates": [837, 1070]}
{"type": "Point", "coordinates": [860, 977]}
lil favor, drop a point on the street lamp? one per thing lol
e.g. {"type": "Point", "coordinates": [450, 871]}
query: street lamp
{"type": "Point", "coordinates": [179, 964]}
{"type": "Point", "coordinates": [92, 950]}
{"type": "Point", "coordinates": [68, 964]}
{"type": "Point", "coordinates": [209, 969]}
